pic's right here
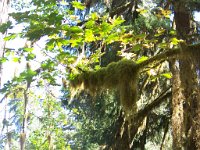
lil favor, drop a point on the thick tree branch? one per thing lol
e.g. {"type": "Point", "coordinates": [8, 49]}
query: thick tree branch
{"type": "Point", "coordinates": [143, 112]}
{"type": "Point", "coordinates": [171, 53]}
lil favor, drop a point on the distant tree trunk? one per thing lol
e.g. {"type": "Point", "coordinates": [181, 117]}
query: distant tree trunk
{"type": "Point", "coordinates": [3, 18]}
{"type": "Point", "coordinates": [177, 106]}
{"type": "Point", "coordinates": [185, 101]}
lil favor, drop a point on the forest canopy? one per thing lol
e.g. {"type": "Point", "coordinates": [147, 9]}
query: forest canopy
{"type": "Point", "coordinates": [109, 75]}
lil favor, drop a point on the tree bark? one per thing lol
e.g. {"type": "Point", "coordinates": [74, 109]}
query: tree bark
{"type": "Point", "coordinates": [185, 101]}
{"type": "Point", "coordinates": [177, 106]}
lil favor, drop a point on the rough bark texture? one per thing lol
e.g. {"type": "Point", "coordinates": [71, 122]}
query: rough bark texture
{"type": "Point", "coordinates": [177, 105]}
{"type": "Point", "coordinates": [196, 123]}
{"type": "Point", "coordinates": [3, 18]}
{"type": "Point", "coordinates": [192, 93]}
{"type": "Point", "coordinates": [185, 101]}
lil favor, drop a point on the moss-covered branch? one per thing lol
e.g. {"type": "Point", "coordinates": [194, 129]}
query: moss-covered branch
{"type": "Point", "coordinates": [123, 76]}
{"type": "Point", "coordinates": [141, 114]}
{"type": "Point", "coordinates": [144, 112]}
{"type": "Point", "coordinates": [192, 50]}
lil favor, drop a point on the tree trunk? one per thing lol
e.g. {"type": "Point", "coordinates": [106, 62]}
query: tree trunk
{"type": "Point", "coordinates": [177, 106]}
{"type": "Point", "coordinates": [185, 101]}
{"type": "Point", "coordinates": [3, 18]}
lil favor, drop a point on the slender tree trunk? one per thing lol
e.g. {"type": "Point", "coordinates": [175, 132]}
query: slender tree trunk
{"type": "Point", "coordinates": [177, 105]}
{"type": "Point", "coordinates": [4, 4]}
{"type": "Point", "coordinates": [24, 121]}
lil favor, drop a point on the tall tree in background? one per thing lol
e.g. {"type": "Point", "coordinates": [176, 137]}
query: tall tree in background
{"type": "Point", "coordinates": [4, 4]}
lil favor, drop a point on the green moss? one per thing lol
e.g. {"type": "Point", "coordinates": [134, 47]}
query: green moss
{"type": "Point", "coordinates": [121, 75]}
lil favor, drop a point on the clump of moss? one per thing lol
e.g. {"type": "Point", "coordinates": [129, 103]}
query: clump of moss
{"type": "Point", "coordinates": [121, 75]}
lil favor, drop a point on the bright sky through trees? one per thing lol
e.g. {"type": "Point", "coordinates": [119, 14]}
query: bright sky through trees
{"type": "Point", "coordinates": [197, 16]}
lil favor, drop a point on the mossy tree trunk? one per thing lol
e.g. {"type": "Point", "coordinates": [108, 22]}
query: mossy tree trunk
{"type": "Point", "coordinates": [177, 106]}
{"type": "Point", "coordinates": [185, 88]}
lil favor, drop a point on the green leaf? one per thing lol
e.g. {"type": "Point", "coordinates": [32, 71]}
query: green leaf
{"type": "Point", "coordinates": [142, 59]}
{"type": "Point", "coordinates": [28, 75]}
{"type": "Point", "coordinates": [162, 45]}
{"type": "Point", "coordinates": [94, 16]}
{"type": "Point", "coordinates": [65, 27]}
{"type": "Point", "coordinates": [172, 32]}
{"type": "Point", "coordinates": [50, 44]}
{"type": "Point", "coordinates": [89, 36]}
{"type": "Point", "coordinates": [5, 26]}
{"type": "Point", "coordinates": [10, 37]}
{"type": "Point", "coordinates": [140, 36]}
{"type": "Point", "coordinates": [105, 28]}
{"type": "Point", "coordinates": [16, 59]}
{"type": "Point", "coordinates": [142, 11]}
{"type": "Point", "coordinates": [75, 29]}
{"type": "Point", "coordinates": [30, 56]}
{"type": "Point", "coordinates": [71, 59]}
{"type": "Point", "coordinates": [112, 38]}
{"type": "Point", "coordinates": [21, 16]}
{"type": "Point", "coordinates": [3, 59]}
{"type": "Point", "coordinates": [31, 73]}
{"type": "Point", "coordinates": [118, 21]}
{"type": "Point", "coordinates": [97, 67]}
{"type": "Point", "coordinates": [75, 110]}
{"type": "Point", "coordinates": [174, 41]}
{"type": "Point", "coordinates": [167, 75]}
{"type": "Point", "coordinates": [48, 65]}
{"type": "Point", "coordinates": [159, 32]}
{"type": "Point", "coordinates": [90, 24]}
{"type": "Point", "coordinates": [27, 49]}
{"type": "Point", "coordinates": [76, 42]}
{"type": "Point", "coordinates": [68, 147]}
{"type": "Point", "coordinates": [78, 5]}
{"type": "Point", "coordinates": [137, 47]}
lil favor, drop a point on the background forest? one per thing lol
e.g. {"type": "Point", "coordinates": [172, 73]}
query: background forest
{"type": "Point", "coordinates": [99, 75]}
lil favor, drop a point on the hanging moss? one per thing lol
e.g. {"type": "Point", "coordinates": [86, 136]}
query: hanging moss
{"type": "Point", "coordinates": [121, 75]}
